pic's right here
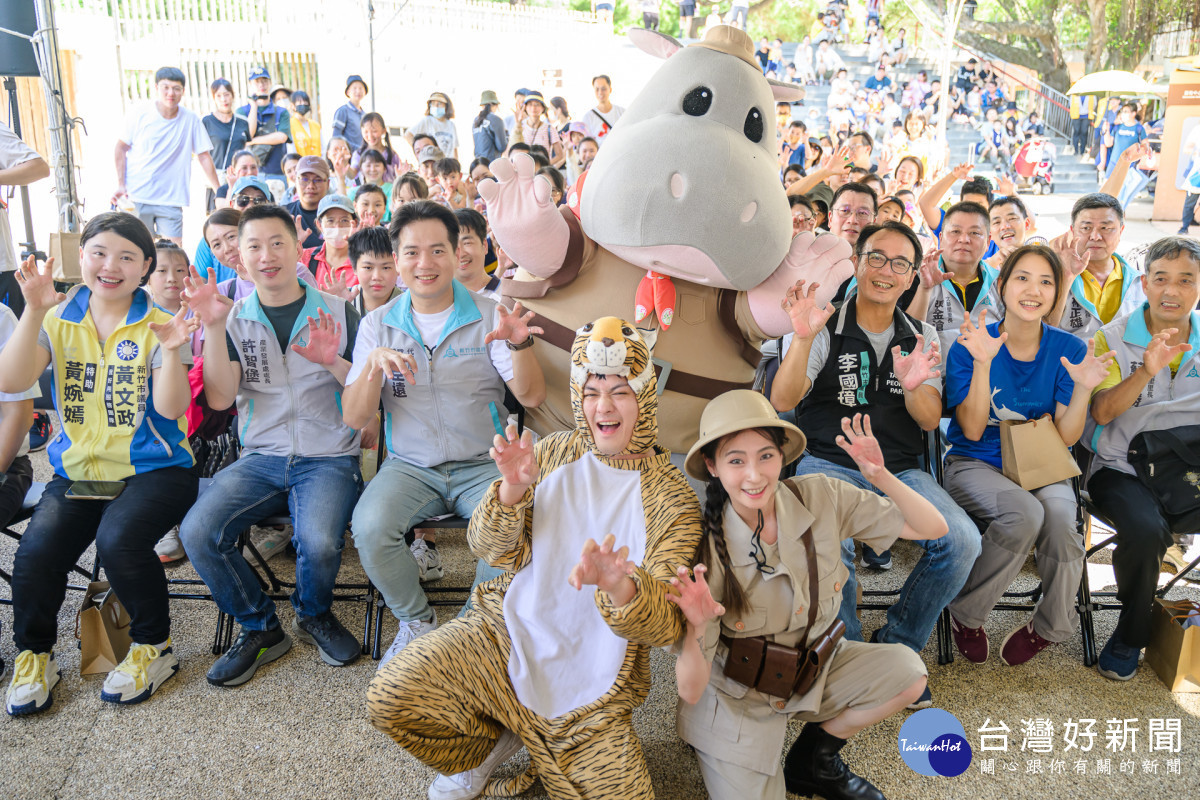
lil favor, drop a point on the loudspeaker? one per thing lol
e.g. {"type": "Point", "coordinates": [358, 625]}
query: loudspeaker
{"type": "Point", "coordinates": [16, 54]}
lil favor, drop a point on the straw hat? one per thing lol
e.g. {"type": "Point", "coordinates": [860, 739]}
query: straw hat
{"type": "Point", "coordinates": [733, 412]}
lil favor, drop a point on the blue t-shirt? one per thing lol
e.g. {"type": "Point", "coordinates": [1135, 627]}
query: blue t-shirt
{"type": "Point", "coordinates": [1020, 389]}
{"type": "Point", "coordinates": [1124, 137]}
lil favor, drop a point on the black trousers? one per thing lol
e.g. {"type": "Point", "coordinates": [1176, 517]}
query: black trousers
{"type": "Point", "coordinates": [1143, 536]}
{"type": "Point", "coordinates": [16, 484]}
{"type": "Point", "coordinates": [125, 531]}
{"type": "Point", "coordinates": [1081, 130]}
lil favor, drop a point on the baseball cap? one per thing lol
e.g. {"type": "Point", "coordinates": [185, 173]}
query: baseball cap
{"type": "Point", "coordinates": [352, 79]}
{"type": "Point", "coordinates": [251, 182]}
{"type": "Point", "coordinates": [335, 201]}
{"type": "Point", "coordinates": [259, 72]}
{"type": "Point", "coordinates": [313, 164]}
{"type": "Point", "coordinates": [430, 153]}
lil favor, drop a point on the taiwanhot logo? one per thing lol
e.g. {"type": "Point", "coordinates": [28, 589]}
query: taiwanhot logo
{"type": "Point", "coordinates": [933, 742]}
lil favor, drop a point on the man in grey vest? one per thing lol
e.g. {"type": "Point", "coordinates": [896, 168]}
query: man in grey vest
{"type": "Point", "coordinates": [439, 357]}
{"type": "Point", "coordinates": [282, 353]}
{"type": "Point", "coordinates": [1154, 384]}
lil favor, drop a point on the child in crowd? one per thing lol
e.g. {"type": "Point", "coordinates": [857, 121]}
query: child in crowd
{"type": "Point", "coordinates": [121, 390]}
{"type": "Point", "coordinates": [375, 267]}
{"type": "Point", "coordinates": [282, 355]}
{"type": "Point", "coordinates": [472, 255]}
{"type": "Point", "coordinates": [330, 263]}
{"type": "Point", "coordinates": [376, 137]}
{"type": "Point", "coordinates": [408, 187]}
{"type": "Point", "coordinates": [449, 177]}
{"type": "Point", "coordinates": [370, 204]}
{"type": "Point", "coordinates": [341, 177]}
{"type": "Point", "coordinates": [373, 170]}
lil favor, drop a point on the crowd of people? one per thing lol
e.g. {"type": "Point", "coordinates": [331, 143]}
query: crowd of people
{"type": "Point", "coordinates": [346, 298]}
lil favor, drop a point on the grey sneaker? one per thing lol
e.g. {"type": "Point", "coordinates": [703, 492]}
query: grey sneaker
{"type": "Point", "coordinates": [337, 646]}
{"type": "Point", "coordinates": [169, 548]}
{"type": "Point", "coordinates": [269, 542]}
{"type": "Point", "coordinates": [250, 651]}
{"type": "Point", "coordinates": [429, 563]}
{"type": "Point", "coordinates": [408, 631]}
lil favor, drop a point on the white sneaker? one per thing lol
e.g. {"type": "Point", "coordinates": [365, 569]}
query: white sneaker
{"type": "Point", "coordinates": [429, 563]}
{"type": "Point", "coordinates": [269, 543]}
{"type": "Point", "coordinates": [34, 676]}
{"type": "Point", "coordinates": [169, 548]}
{"type": "Point", "coordinates": [408, 631]}
{"type": "Point", "coordinates": [144, 669]}
{"type": "Point", "coordinates": [469, 784]}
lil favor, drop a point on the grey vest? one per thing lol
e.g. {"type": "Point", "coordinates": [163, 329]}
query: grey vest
{"type": "Point", "coordinates": [1164, 403]}
{"type": "Point", "coordinates": [456, 405]}
{"type": "Point", "coordinates": [1081, 318]}
{"type": "Point", "coordinates": [946, 311]}
{"type": "Point", "coordinates": [287, 405]}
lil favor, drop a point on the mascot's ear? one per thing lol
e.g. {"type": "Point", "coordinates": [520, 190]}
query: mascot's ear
{"type": "Point", "coordinates": [656, 44]}
{"type": "Point", "coordinates": [784, 92]}
{"type": "Point", "coordinates": [649, 336]}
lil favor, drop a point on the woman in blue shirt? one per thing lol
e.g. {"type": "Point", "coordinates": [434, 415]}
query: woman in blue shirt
{"type": "Point", "coordinates": [1127, 132]}
{"type": "Point", "coordinates": [1019, 368]}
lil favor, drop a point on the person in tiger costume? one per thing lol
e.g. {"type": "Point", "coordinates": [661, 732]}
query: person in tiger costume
{"type": "Point", "coordinates": [537, 662]}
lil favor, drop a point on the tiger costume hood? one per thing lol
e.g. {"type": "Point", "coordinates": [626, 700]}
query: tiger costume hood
{"type": "Point", "coordinates": [612, 346]}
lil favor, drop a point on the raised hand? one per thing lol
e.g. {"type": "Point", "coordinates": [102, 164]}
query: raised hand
{"type": "Point", "coordinates": [806, 316]}
{"type": "Point", "coordinates": [918, 366]}
{"type": "Point", "coordinates": [37, 286]}
{"type": "Point", "coordinates": [324, 340]}
{"type": "Point", "coordinates": [1005, 186]}
{"type": "Point", "coordinates": [1159, 354]}
{"type": "Point", "coordinates": [962, 171]}
{"type": "Point", "coordinates": [512, 326]}
{"type": "Point", "coordinates": [205, 299]}
{"type": "Point", "coordinates": [302, 232]}
{"type": "Point", "coordinates": [1092, 370]}
{"type": "Point", "coordinates": [932, 273]}
{"type": "Point", "coordinates": [336, 285]}
{"type": "Point", "coordinates": [514, 457]}
{"type": "Point", "coordinates": [1066, 246]}
{"type": "Point", "coordinates": [385, 361]}
{"type": "Point", "coordinates": [601, 566]}
{"type": "Point", "coordinates": [695, 599]}
{"type": "Point", "coordinates": [862, 446]}
{"type": "Point", "coordinates": [982, 346]}
{"type": "Point", "coordinates": [178, 332]}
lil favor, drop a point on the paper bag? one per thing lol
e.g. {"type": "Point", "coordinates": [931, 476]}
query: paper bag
{"type": "Point", "coordinates": [1033, 455]}
{"type": "Point", "coordinates": [102, 628]}
{"type": "Point", "coordinates": [1174, 650]}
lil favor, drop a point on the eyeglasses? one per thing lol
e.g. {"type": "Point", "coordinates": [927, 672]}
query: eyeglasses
{"type": "Point", "coordinates": [877, 260]}
{"type": "Point", "coordinates": [243, 200]}
{"type": "Point", "coordinates": [306, 180]}
{"type": "Point", "coordinates": [862, 215]}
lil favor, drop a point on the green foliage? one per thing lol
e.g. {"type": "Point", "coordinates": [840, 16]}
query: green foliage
{"type": "Point", "coordinates": [790, 20]}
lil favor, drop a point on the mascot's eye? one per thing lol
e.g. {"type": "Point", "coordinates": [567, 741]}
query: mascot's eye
{"type": "Point", "coordinates": [627, 331]}
{"type": "Point", "coordinates": [588, 328]}
{"type": "Point", "coordinates": [697, 102]}
{"type": "Point", "coordinates": [754, 125]}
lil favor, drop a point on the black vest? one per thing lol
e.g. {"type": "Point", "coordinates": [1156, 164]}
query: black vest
{"type": "Point", "coordinates": [852, 383]}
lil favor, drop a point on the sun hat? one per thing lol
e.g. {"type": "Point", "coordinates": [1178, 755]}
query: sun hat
{"type": "Point", "coordinates": [489, 98]}
{"type": "Point", "coordinates": [353, 79]}
{"type": "Point", "coordinates": [733, 412]}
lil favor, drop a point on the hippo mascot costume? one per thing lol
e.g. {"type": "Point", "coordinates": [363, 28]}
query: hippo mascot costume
{"type": "Point", "coordinates": [683, 225]}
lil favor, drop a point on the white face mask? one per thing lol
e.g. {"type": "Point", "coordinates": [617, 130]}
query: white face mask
{"type": "Point", "coordinates": [337, 237]}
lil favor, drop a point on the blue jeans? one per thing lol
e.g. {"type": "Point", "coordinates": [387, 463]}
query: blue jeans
{"type": "Point", "coordinates": [399, 498]}
{"type": "Point", "coordinates": [319, 493]}
{"type": "Point", "coordinates": [933, 582]}
{"type": "Point", "coordinates": [1135, 181]}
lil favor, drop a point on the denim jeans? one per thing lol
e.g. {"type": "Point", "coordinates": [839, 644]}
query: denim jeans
{"type": "Point", "coordinates": [937, 576]}
{"type": "Point", "coordinates": [125, 531]}
{"type": "Point", "coordinates": [318, 493]}
{"type": "Point", "coordinates": [399, 498]}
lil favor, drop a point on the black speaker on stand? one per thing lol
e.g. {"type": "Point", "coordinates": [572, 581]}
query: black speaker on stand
{"type": "Point", "coordinates": [17, 59]}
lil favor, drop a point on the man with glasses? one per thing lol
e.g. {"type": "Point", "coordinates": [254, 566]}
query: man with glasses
{"type": "Point", "coordinates": [312, 178]}
{"type": "Point", "coordinates": [853, 208]}
{"type": "Point", "coordinates": [250, 190]}
{"type": "Point", "coordinates": [242, 164]}
{"type": "Point", "coordinates": [1104, 286]}
{"type": "Point", "coordinates": [869, 357]}
{"type": "Point", "coordinates": [958, 282]}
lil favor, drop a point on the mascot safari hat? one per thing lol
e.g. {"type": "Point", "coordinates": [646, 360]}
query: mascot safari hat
{"type": "Point", "coordinates": [612, 346]}
{"type": "Point", "coordinates": [736, 411]}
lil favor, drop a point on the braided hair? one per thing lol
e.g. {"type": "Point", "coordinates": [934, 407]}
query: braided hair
{"type": "Point", "coordinates": [715, 499]}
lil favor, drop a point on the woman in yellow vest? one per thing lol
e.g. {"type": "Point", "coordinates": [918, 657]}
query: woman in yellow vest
{"type": "Point", "coordinates": [122, 465]}
{"type": "Point", "coordinates": [306, 132]}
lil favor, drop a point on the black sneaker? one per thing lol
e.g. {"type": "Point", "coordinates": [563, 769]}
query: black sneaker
{"type": "Point", "coordinates": [876, 560]}
{"type": "Point", "coordinates": [337, 646]}
{"type": "Point", "coordinates": [40, 433]}
{"type": "Point", "coordinates": [251, 650]}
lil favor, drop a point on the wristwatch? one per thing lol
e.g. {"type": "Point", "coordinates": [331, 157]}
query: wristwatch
{"type": "Point", "coordinates": [522, 346]}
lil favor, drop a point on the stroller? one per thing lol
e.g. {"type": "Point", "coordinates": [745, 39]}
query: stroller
{"type": "Point", "coordinates": [1034, 165]}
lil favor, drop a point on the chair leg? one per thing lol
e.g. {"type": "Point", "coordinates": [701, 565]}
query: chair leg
{"type": "Point", "coordinates": [370, 596]}
{"type": "Point", "coordinates": [1087, 628]}
{"type": "Point", "coordinates": [216, 645]}
{"type": "Point", "coordinates": [945, 644]}
{"type": "Point", "coordinates": [378, 640]}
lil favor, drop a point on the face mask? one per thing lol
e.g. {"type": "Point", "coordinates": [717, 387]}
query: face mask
{"type": "Point", "coordinates": [303, 109]}
{"type": "Point", "coordinates": [438, 112]}
{"type": "Point", "coordinates": [337, 237]}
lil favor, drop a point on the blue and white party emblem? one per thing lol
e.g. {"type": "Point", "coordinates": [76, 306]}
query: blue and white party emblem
{"type": "Point", "coordinates": [933, 742]}
{"type": "Point", "coordinates": [127, 350]}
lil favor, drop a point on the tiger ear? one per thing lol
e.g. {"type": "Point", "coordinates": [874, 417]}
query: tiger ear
{"type": "Point", "coordinates": [649, 336]}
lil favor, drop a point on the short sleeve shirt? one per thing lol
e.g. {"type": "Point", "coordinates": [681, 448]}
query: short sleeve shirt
{"type": "Point", "coordinates": [13, 152]}
{"type": "Point", "coordinates": [8, 324]}
{"type": "Point", "coordinates": [158, 167]}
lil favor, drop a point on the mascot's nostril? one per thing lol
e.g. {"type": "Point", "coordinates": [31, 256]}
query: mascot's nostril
{"type": "Point", "coordinates": [749, 211]}
{"type": "Point", "coordinates": [607, 342]}
{"type": "Point", "coordinates": [676, 185]}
